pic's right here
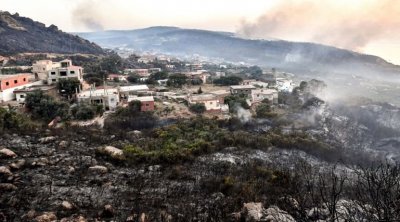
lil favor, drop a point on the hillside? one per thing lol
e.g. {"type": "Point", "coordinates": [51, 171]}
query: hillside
{"type": "Point", "coordinates": [291, 56]}
{"type": "Point", "coordinates": [20, 34]}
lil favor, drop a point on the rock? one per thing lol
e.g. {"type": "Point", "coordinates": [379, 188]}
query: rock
{"type": "Point", "coordinates": [5, 171]}
{"type": "Point", "coordinates": [46, 217]}
{"type": "Point", "coordinates": [63, 144]}
{"type": "Point", "coordinates": [252, 211]}
{"type": "Point", "coordinates": [48, 139]}
{"type": "Point", "coordinates": [18, 164]}
{"type": "Point", "coordinates": [274, 214]}
{"type": "Point", "coordinates": [7, 187]}
{"type": "Point", "coordinates": [98, 169]}
{"type": "Point", "coordinates": [67, 205]}
{"type": "Point", "coordinates": [6, 153]}
{"type": "Point", "coordinates": [112, 152]}
{"type": "Point", "coordinates": [40, 162]}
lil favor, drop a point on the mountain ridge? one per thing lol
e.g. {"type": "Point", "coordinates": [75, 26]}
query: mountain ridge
{"type": "Point", "coordinates": [230, 47]}
{"type": "Point", "coordinates": [21, 35]}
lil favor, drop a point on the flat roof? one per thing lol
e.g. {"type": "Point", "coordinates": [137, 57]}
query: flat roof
{"type": "Point", "coordinates": [97, 92]}
{"type": "Point", "coordinates": [3, 76]}
{"type": "Point", "coordinates": [203, 97]}
{"type": "Point", "coordinates": [141, 98]}
{"type": "Point", "coordinates": [243, 87]}
{"type": "Point", "coordinates": [220, 92]}
{"type": "Point", "coordinates": [133, 88]}
{"type": "Point", "coordinates": [264, 91]}
{"type": "Point", "coordinates": [33, 88]}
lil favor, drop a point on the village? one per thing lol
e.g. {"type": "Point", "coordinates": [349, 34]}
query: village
{"type": "Point", "coordinates": [169, 91]}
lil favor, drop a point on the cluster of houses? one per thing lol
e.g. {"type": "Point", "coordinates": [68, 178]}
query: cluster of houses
{"type": "Point", "coordinates": [46, 73]}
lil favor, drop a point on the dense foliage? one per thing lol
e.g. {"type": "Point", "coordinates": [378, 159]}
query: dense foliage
{"type": "Point", "coordinates": [198, 108]}
{"type": "Point", "coordinates": [45, 107]}
{"type": "Point", "coordinates": [228, 81]}
{"type": "Point", "coordinates": [177, 80]}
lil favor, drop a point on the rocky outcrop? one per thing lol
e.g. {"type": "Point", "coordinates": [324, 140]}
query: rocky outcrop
{"type": "Point", "coordinates": [46, 217]}
{"type": "Point", "coordinates": [112, 152]}
{"type": "Point", "coordinates": [256, 212]}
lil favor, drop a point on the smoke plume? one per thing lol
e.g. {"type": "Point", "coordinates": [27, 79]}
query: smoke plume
{"type": "Point", "coordinates": [89, 15]}
{"type": "Point", "coordinates": [348, 24]}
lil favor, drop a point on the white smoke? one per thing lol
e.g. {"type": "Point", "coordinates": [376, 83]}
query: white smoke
{"type": "Point", "coordinates": [350, 24]}
{"type": "Point", "coordinates": [243, 115]}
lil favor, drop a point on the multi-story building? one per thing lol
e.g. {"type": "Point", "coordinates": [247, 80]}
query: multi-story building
{"type": "Point", "coordinates": [65, 71]}
{"type": "Point", "coordinates": [51, 72]}
{"type": "Point", "coordinates": [41, 68]}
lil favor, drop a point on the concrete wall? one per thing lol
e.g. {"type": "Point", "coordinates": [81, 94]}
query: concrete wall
{"type": "Point", "coordinates": [14, 81]}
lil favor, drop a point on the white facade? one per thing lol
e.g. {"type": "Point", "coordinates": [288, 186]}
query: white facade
{"type": "Point", "coordinates": [284, 85]}
{"type": "Point", "coordinates": [107, 97]}
{"type": "Point", "coordinates": [210, 101]}
{"type": "Point", "coordinates": [258, 95]}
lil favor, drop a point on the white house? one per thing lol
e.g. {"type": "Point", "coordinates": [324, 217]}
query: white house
{"type": "Point", "coordinates": [258, 95]}
{"type": "Point", "coordinates": [211, 102]}
{"type": "Point", "coordinates": [20, 94]}
{"type": "Point", "coordinates": [107, 97]}
{"type": "Point", "coordinates": [285, 85]}
{"type": "Point", "coordinates": [125, 91]}
{"type": "Point", "coordinates": [10, 83]}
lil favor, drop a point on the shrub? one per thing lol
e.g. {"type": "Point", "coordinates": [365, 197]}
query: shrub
{"type": "Point", "coordinates": [44, 107]}
{"type": "Point", "coordinates": [198, 108]}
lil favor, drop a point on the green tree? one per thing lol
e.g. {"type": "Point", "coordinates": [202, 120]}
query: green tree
{"type": "Point", "coordinates": [44, 107]}
{"type": "Point", "coordinates": [68, 87]}
{"type": "Point", "coordinates": [264, 110]}
{"type": "Point", "coordinates": [228, 81]}
{"type": "Point", "coordinates": [234, 101]}
{"type": "Point", "coordinates": [133, 78]}
{"type": "Point", "coordinates": [177, 80]}
{"type": "Point", "coordinates": [84, 112]}
{"type": "Point", "coordinates": [198, 108]}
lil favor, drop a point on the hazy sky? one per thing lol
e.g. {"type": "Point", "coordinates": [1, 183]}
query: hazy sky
{"type": "Point", "coordinates": [369, 26]}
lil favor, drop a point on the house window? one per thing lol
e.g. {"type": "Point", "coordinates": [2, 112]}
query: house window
{"type": "Point", "coordinates": [71, 72]}
{"type": "Point", "coordinates": [147, 104]}
{"type": "Point", "coordinates": [15, 81]}
{"type": "Point", "coordinates": [54, 80]}
{"type": "Point", "coordinates": [21, 96]}
{"type": "Point", "coordinates": [24, 79]}
{"type": "Point", "coordinates": [7, 83]}
{"type": "Point", "coordinates": [211, 103]}
{"type": "Point", "coordinates": [112, 99]}
{"type": "Point", "coordinates": [63, 73]}
{"type": "Point", "coordinates": [53, 73]}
